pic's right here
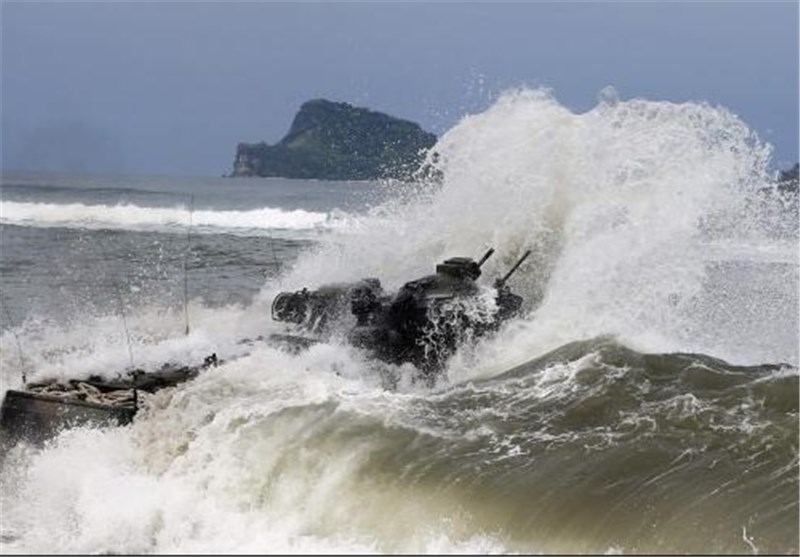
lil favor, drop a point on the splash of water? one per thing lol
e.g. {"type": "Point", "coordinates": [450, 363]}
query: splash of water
{"type": "Point", "coordinates": [640, 219]}
{"type": "Point", "coordinates": [628, 209]}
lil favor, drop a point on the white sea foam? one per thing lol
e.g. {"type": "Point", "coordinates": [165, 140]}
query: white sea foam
{"type": "Point", "coordinates": [614, 202]}
{"type": "Point", "coordinates": [227, 465]}
{"type": "Point", "coordinates": [627, 208]}
{"type": "Point", "coordinates": [129, 216]}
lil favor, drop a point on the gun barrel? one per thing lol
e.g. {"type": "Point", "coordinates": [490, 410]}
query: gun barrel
{"type": "Point", "coordinates": [514, 268]}
{"type": "Point", "coordinates": [486, 256]}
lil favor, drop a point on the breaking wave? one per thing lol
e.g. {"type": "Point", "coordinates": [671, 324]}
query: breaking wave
{"type": "Point", "coordinates": [645, 219]}
{"type": "Point", "coordinates": [591, 448]}
{"type": "Point", "coordinates": [646, 401]}
{"type": "Point", "coordinates": [129, 216]}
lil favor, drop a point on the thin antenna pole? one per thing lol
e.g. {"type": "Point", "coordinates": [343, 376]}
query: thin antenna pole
{"type": "Point", "coordinates": [185, 269]}
{"type": "Point", "coordinates": [275, 262]}
{"type": "Point", "coordinates": [124, 321]}
{"type": "Point", "coordinates": [19, 344]}
{"type": "Point", "coordinates": [121, 305]}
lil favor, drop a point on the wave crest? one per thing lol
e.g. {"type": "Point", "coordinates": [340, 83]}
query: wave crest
{"type": "Point", "coordinates": [128, 216]}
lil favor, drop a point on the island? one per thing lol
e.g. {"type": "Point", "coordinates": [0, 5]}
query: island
{"type": "Point", "coordinates": [338, 141]}
{"type": "Point", "coordinates": [789, 180]}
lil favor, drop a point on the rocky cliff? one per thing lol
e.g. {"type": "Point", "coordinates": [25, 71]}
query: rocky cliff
{"type": "Point", "coordinates": [337, 141]}
{"type": "Point", "coordinates": [789, 180]}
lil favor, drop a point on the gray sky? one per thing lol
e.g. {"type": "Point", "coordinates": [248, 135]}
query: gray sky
{"type": "Point", "coordinates": [172, 87]}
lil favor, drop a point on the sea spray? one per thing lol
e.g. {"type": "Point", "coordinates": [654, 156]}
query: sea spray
{"type": "Point", "coordinates": [594, 446]}
{"type": "Point", "coordinates": [637, 214]}
{"type": "Point", "coordinates": [617, 204]}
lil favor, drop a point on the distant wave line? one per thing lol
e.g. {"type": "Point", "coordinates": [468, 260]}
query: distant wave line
{"type": "Point", "coordinates": [131, 216]}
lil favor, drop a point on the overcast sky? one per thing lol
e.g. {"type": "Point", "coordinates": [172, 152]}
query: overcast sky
{"type": "Point", "coordinates": [171, 88]}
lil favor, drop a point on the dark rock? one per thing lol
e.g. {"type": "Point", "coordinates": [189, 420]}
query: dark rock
{"type": "Point", "coordinates": [788, 180]}
{"type": "Point", "coordinates": [337, 141]}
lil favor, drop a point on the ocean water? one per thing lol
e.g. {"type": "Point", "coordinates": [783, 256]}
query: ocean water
{"type": "Point", "coordinates": [645, 402]}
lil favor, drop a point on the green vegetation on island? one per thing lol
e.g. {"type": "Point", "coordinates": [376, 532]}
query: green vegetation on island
{"type": "Point", "coordinates": [337, 141]}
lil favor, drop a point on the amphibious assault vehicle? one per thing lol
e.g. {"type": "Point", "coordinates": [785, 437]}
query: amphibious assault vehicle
{"type": "Point", "coordinates": [41, 410]}
{"type": "Point", "coordinates": [422, 324]}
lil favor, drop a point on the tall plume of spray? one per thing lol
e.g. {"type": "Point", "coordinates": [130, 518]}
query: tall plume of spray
{"type": "Point", "coordinates": [622, 206]}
